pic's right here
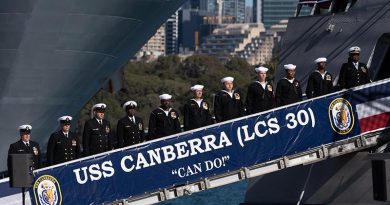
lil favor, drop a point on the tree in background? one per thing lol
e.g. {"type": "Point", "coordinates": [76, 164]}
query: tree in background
{"type": "Point", "coordinates": [144, 82]}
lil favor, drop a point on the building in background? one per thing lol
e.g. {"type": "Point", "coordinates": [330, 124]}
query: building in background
{"type": "Point", "coordinates": [172, 34]}
{"type": "Point", "coordinates": [194, 26]}
{"type": "Point", "coordinates": [264, 47]}
{"type": "Point", "coordinates": [229, 39]}
{"type": "Point", "coordinates": [164, 42]}
{"type": "Point", "coordinates": [272, 11]}
{"type": "Point", "coordinates": [208, 6]}
{"type": "Point", "coordinates": [249, 15]}
{"type": "Point", "coordinates": [234, 8]}
{"type": "Point", "coordinates": [257, 11]}
{"type": "Point", "coordinates": [155, 47]}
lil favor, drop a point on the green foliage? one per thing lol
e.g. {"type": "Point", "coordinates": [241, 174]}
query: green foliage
{"type": "Point", "coordinates": [144, 82]}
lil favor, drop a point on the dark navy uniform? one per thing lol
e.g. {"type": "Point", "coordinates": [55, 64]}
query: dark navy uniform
{"type": "Point", "coordinates": [130, 132]}
{"type": "Point", "coordinates": [161, 125]}
{"type": "Point", "coordinates": [20, 147]}
{"type": "Point", "coordinates": [62, 148]}
{"type": "Point", "coordinates": [317, 86]}
{"type": "Point", "coordinates": [287, 93]}
{"type": "Point", "coordinates": [259, 99]}
{"type": "Point", "coordinates": [96, 137]}
{"type": "Point", "coordinates": [196, 115]}
{"type": "Point", "coordinates": [350, 76]}
{"type": "Point", "coordinates": [227, 107]}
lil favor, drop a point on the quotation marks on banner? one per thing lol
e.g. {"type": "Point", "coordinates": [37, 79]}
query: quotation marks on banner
{"type": "Point", "coordinates": [201, 167]}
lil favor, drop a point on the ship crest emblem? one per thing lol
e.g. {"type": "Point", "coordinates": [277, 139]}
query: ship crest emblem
{"type": "Point", "coordinates": [341, 116]}
{"type": "Point", "coordinates": [47, 191]}
{"type": "Point", "coordinates": [237, 96]}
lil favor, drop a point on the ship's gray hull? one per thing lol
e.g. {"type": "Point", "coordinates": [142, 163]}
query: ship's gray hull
{"type": "Point", "coordinates": [56, 54]}
{"type": "Point", "coordinates": [343, 180]}
{"type": "Point", "coordinates": [366, 25]}
{"type": "Point", "coordinates": [346, 179]}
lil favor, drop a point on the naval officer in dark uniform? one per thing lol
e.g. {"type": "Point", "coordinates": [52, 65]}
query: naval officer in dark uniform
{"type": "Point", "coordinates": [130, 129]}
{"type": "Point", "coordinates": [260, 95]}
{"type": "Point", "coordinates": [197, 110]}
{"type": "Point", "coordinates": [63, 145]}
{"type": "Point", "coordinates": [353, 73]}
{"type": "Point", "coordinates": [96, 135]}
{"type": "Point", "coordinates": [164, 120]}
{"type": "Point", "coordinates": [25, 146]}
{"type": "Point", "coordinates": [320, 81]}
{"type": "Point", "coordinates": [228, 103]}
{"type": "Point", "coordinates": [288, 89]}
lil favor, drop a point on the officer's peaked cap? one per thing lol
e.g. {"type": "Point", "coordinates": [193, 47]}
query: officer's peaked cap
{"type": "Point", "coordinates": [99, 107]}
{"type": "Point", "coordinates": [354, 49]}
{"type": "Point", "coordinates": [65, 119]}
{"type": "Point", "coordinates": [24, 128]}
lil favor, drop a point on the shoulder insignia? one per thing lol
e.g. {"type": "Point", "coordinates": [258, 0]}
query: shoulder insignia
{"type": "Point", "coordinates": [269, 87]}
{"type": "Point", "coordinates": [107, 129]}
{"type": "Point", "coordinates": [364, 70]}
{"type": "Point", "coordinates": [140, 126]}
{"type": "Point", "coordinates": [173, 115]}
{"type": "Point", "coordinates": [74, 143]}
{"type": "Point", "coordinates": [296, 83]}
{"type": "Point", "coordinates": [35, 150]}
{"type": "Point", "coordinates": [205, 106]}
{"type": "Point", "coordinates": [328, 77]}
{"type": "Point", "coordinates": [237, 96]}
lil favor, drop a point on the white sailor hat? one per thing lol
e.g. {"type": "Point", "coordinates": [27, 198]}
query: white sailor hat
{"type": "Point", "coordinates": [165, 97]}
{"type": "Point", "coordinates": [354, 49]}
{"type": "Point", "coordinates": [197, 87]}
{"type": "Point", "coordinates": [99, 107]}
{"type": "Point", "coordinates": [129, 105]}
{"type": "Point", "coordinates": [65, 119]}
{"type": "Point", "coordinates": [227, 79]}
{"type": "Point", "coordinates": [25, 128]}
{"type": "Point", "coordinates": [261, 69]}
{"type": "Point", "coordinates": [319, 60]}
{"type": "Point", "coordinates": [290, 67]}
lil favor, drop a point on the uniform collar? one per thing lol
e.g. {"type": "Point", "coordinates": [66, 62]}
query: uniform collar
{"type": "Point", "coordinates": [169, 110]}
{"type": "Point", "coordinates": [227, 91]}
{"type": "Point", "coordinates": [290, 80]}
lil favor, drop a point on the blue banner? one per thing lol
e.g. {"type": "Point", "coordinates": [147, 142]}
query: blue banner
{"type": "Point", "coordinates": [191, 156]}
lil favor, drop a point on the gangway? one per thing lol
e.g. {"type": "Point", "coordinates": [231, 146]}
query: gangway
{"type": "Point", "coordinates": [299, 134]}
